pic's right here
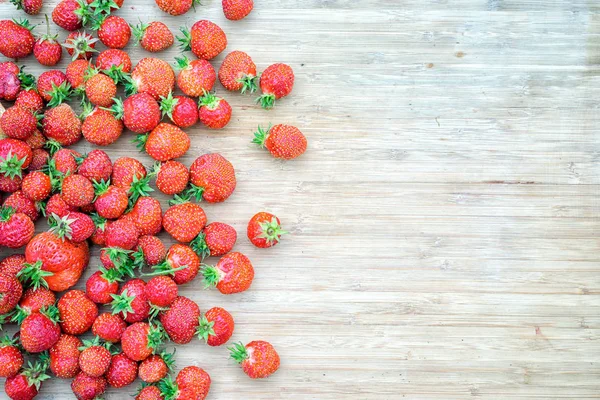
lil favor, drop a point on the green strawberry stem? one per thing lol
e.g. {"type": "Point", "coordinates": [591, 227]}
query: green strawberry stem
{"type": "Point", "coordinates": [19, 314]}
{"type": "Point", "coordinates": [249, 83]}
{"type": "Point", "coordinates": [52, 313]}
{"type": "Point", "coordinates": [33, 275]}
{"type": "Point", "coordinates": [36, 373]}
{"type": "Point", "coordinates": [154, 311]}
{"type": "Point", "coordinates": [205, 329]}
{"type": "Point", "coordinates": [61, 227]}
{"type": "Point", "coordinates": [200, 246]}
{"type": "Point", "coordinates": [12, 166]}
{"type": "Point", "coordinates": [238, 352]}
{"type": "Point", "coordinates": [211, 275]}
{"type": "Point", "coordinates": [209, 100]}
{"type": "Point", "coordinates": [182, 62]}
{"type": "Point", "coordinates": [117, 74]}
{"type": "Point", "coordinates": [116, 109]}
{"type": "Point", "coordinates": [167, 105]}
{"type": "Point", "coordinates": [165, 268]}
{"type": "Point", "coordinates": [122, 303]}
{"type": "Point", "coordinates": [27, 80]}
{"type": "Point", "coordinates": [156, 336]}
{"type": "Point", "coordinates": [119, 257]}
{"type": "Point", "coordinates": [260, 136]}
{"type": "Point", "coordinates": [185, 41]}
{"type": "Point", "coordinates": [168, 388]}
{"type": "Point", "coordinates": [194, 191]}
{"type": "Point", "coordinates": [5, 213]}
{"type": "Point", "coordinates": [140, 187]}
{"type": "Point", "coordinates": [8, 341]}
{"type": "Point", "coordinates": [266, 100]}
{"type": "Point", "coordinates": [271, 231]}
{"type": "Point", "coordinates": [138, 31]}
{"type": "Point", "coordinates": [59, 94]}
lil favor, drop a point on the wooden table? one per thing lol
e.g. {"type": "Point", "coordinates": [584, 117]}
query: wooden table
{"type": "Point", "coordinates": [444, 220]}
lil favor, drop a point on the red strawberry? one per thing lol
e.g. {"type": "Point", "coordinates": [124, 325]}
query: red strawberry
{"type": "Point", "coordinates": [181, 320]}
{"type": "Point", "coordinates": [214, 112]}
{"type": "Point", "coordinates": [100, 89]}
{"type": "Point", "coordinates": [75, 226]}
{"type": "Point", "coordinates": [36, 186]}
{"type": "Point", "coordinates": [213, 176]}
{"type": "Point", "coordinates": [215, 240]}
{"type": "Point", "coordinates": [8, 184]}
{"type": "Point", "coordinates": [149, 393]}
{"type": "Point", "coordinates": [37, 140]}
{"type": "Point", "coordinates": [276, 82]}
{"type": "Point", "coordinates": [180, 109]}
{"type": "Point", "coordinates": [75, 74]}
{"type": "Point", "coordinates": [258, 358]}
{"type": "Point", "coordinates": [101, 128]}
{"type": "Point", "coordinates": [150, 251]}
{"type": "Point", "coordinates": [132, 303]}
{"type": "Point", "coordinates": [141, 339]}
{"type": "Point", "coordinates": [181, 262]}
{"type": "Point", "coordinates": [153, 36]}
{"type": "Point", "coordinates": [114, 32]}
{"type": "Point", "coordinates": [33, 300]}
{"type": "Point", "coordinates": [16, 229]}
{"type": "Point", "coordinates": [46, 48]}
{"type": "Point", "coordinates": [16, 40]}
{"type": "Point", "coordinates": [69, 14]}
{"type": "Point", "coordinates": [165, 142]}
{"type": "Point", "coordinates": [54, 87]}
{"type": "Point", "coordinates": [195, 77]}
{"type": "Point", "coordinates": [194, 380]}
{"type": "Point", "coordinates": [264, 230]}
{"type": "Point", "coordinates": [64, 357]}
{"type": "Point", "coordinates": [11, 358]}
{"type": "Point", "coordinates": [123, 234]}
{"type": "Point", "coordinates": [87, 387]}
{"type": "Point", "coordinates": [18, 122]}
{"type": "Point", "coordinates": [30, 99]}
{"type": "Point", "coordinates": [176, 7]}
{"type": "Point", "coordinates": [122, 371]}
{"type": "Point", "coordinates": [12, 264]}
{"type": "Point", "coordinates": [109, 327]}
{"type": "Point", "coordinates": [40, 330]}
{"type": "Point", "coordinates": [206, 39]}
{"type": "Point", "coordinates": [26, 384]}
{"type": "Point", "coordinates": [171, 177]}
{"type": "Point", "coordinates": [10, 292]}
{"type": "Point", "coordinates": [94, 358]}
{"type": "Point", "coordinates": [64, 161]}
{"type": "Point", "coordinates": [56, 205]}
{"type": "Point", "coordinates": [77, 312]}
{"type": "Point", "coordinates": [114, 62]}
{"type": "Point", "coordinates": [31, 7]}
{"type": "Point", "coordinates": [80, 45]}
{"type": "Point", "coordinates": [232, 274]}
{"type": "Point", "coordinates": [99, 236]}
{"type": "Point", "coordinates": [77, 190]}
{"type": "Point", "coordinates": [111, 201]}
{"type": "Point", "coordinates": [238, 72]}
{"type": "Point", "coordinates": [216, 326]}
{"type": "Point", "coordinates": [147, 215]}
{"type": "Point", "coordinates": [161, 291]}
{"type": "Point", "coordinates": [283, 141]}
{"type": "Point", "coordinates": [237, 9]}
{"type": "Point", "coordinates": [153, 76]}
{"type": "Point", "coordinates": [102, 284]}
{"type": "Point", "coordinates": [96, 166]}
{"type": "Point", "coordinates": [184, 221]}
{"type": "Point", "coordinates": [15, 156]}
{"type": "Point", "coordinates": [61, 124]}
{"type": "Point", "coordinates": [22, 204]}
{"type": "Point", "coordinates": [156, 367]}
{"type": "Point", "coordinates": [10, 85]}
{"type": "Point", "coordinates": [140, 112]}
{"type": "Point", "coordinates": [39, 161]}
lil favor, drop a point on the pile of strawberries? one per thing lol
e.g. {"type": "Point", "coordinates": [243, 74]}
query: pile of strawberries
{"type": "Point", "coordinates": [91, 200]}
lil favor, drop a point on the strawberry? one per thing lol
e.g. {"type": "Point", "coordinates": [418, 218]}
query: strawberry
{"type": "Point", "coordinates": [165, 142]}
{"type": "Point", "coordinates": [215, 240]}
{"type": "Point", "coordinates": [176, 7]}
{"type": "Point", "coordinates": [16, 229]}
{"type": "Point", "coordinates": [56, 205]}
{"type": "Point", "coordinates": [125, 170]}
{"type": "Point", "coordinates": [39, 160]}
{"type": "Point", "coordinates": [232, 274]}
{"type": "Point", "coordinates": [99, 236]}
{"type": "Point", "coordinates": [140, 112]}
{"type": "Point", "coordinates": [149, 392]}
{"type": "Point", "coordinates": [53, 86]}
{"type": "Point", "coordinates": [194, 380]}
{"type": "Point", "coordinates": [171, 177]}
{"type": "Point", "coordinates": [153, 76]}
{"type": "Point", "coordinates": [75, 226]}
{"type": "Point", "coordinates": [77, 312]}
{"type": "Point", "coordinates": [170, 389]}
{"type": "Point", "coordinates": [36, 186]}
{"type": "Point", "coordinates": [114, 62]}
{"type": "Point", "coordinates": [276, 82]}
{"type": "Point", "coordinates": [141, 339]}
{"type": "Point", "coordinates": [181, 320]}
{"type": "Point", "coordinates": [282, 141]}
{"type": "Point", "coordinates": [10, 292]}
{"type": "Point", "coordinates": [57, 262]}
{"type": "Point", "coordinates": [61, 124]}
{"type": "Point", "coordinates": [195, 77]}
{"type": "Point", "coordinates": [80, 45]}
{"type": "Point", "coordinates": [100, 89]}
{"type": "Point", "coordinates": [37, 140]}
{"type": "Point", "coordinates": [161, 291]}
{"type": "Point", "coordinates": [40, 330]}
{"type": "Point", "coordinates": [75, 74]}
{"type": "Point", "coordinates": [258, 358]}
{"type": "Point", "coordinates": [153, 36]}
{"type": "Point", "coordinates": [46, 48]}
{"type": "Point", "coordinates": [131, 302]}
{"type": "Point", "coordinates": [64, 356]}
{"type": "Point", "coordinates": [114, 32]}
{"type": "Point", "coordinates": [150, 251]}
{"type": "Point", "coordinates": [16, 40]}
{"type": "Point", "coordinates": [18, 122]}
{"type": "Point", "coordinates": [122, 371]}
{"type": "Point", "coordinates": [64, 161]}
{"type": "Point", "coordinates": [69, 14]}
{"type": "Point", "coordinates": [12, 264]}
{"type": "Point", "coordinates": [109, 327]}
{"type": "Point", "coordinates": [95, 166]}
{"type": "Point", "coordinates": [214, 112]}
{"type": "Point", "coordinates": [213, 177]}
{"type": "Point", "coordinates": [123, 234]}
{"type": "Point", "coordinates": [147, 215]}
{"type": "Point", "coordinates": [11, 358]}
{"type": "Point", "coordinates": [216, 326]}
{"type": "Point", "coordinates": [237, 9]}
{"type": "Point", "coordinates": [184, 221]}
{"type": "Point", "coordinates": [111, 201]}
{"type": "Point", "coordinates": [264, 230]}
{"type": "Point", "coordinates": [33, 300]}
{"type": "Point", "coordinates": [181, 110]}
{"type": "Point", "coordinates": [181, 262]}
{"type": "Point", "coordinates": [26, 384]}
{"type": "Point", "coordinates": [8, 184]}
{"type": "Point", "coordinates": [156, 367]}
{"type": "Point", "coordinates": [102, 284]}
{"type": "Point", "coordinates": [22, 204]}
{"type": "Point", "coordinates": [31, 100]}
{"type": "Point", "coordinates": [94, 358]}
{"type": "Point", "coordinates": [15, 156]}
{"type": "Point", "coordinates": [206, 39]}
{"type": "Point", "coordinates": [100, 127]}
{"type": "Point", "coordinates": [77, 190]}
{"type": "Point", "coordinates": [87, 387]}
{"type": "Point", "coordinates": [10, 85]}
{"type": "Point", "coordinates": [238, 72]}
{"type": "Point", "coordinates": [31, 7]}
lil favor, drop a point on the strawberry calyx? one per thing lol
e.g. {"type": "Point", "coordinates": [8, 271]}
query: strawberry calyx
{"type": "Point", "coordinates": [205, 329]}
{"type": "Point", "coordinates": [140, 141]}
{"type": "Point", "coordinates": [271, 231]}
{"type": "Point", "coordinates": [180, 199]}
{"type": "Point", "coordinates": [59, 94]}
{"type": "Point", "coordinates": [156, 336]}
{"type": "Point", "coordinates": [249, 83]}
{"type": "Point", "coordinates": [169, 359]}
{"type": "Point", "coordinates": [121, 260]}
{"type": "Point", "coordinates": [138, 31]}
{"type": "Point", "coordinates": [116, 109]}
{"type": "Point", "coordinates": [81, 44]}
{"type": "Point", "coordinates": [211, 275]}
{"type": "Point", "coordinates": [209, 100]}
{"type": "Point", "coordinates": [140, 187]}
{"type": "Point", "coordinates": [12, 165]}
{"type": "Point", "coordinates": [8, 341]}
{"type": "Point", "coordinates": [103, 6]}
{"type": "Point", "coordinates": [167, 105]}
{"type": "Point", "coordinates": [53, 146]}
{"type": "Point", "coordinates": [90, 72]}
{"type": "Point", "coordinates": [99, 222]}
{"type": "Point", "coordinates": [86, 109]}
{"type": "Point", "coordinates": [168, 388]}
{"type": "Point", "coordinates": [200, 246]}
{"type": "Point", "coordinates": [238, 352]}
{"type": "Point", "coordinates": [194, 191]}
{"type": "Point", "coordinates": [24, 23]}
{"type": "Point", "coordinates": [117, 74]}
{"type": "Point", "coordinates": [122, 303]}
{"type": "Point", "coordinates": [185, 41]}
{"type": "Point", "coordinates": [165, 268]}
{"type": "Point", "coordinates": [5, 318]}
{"type": "Point", "coordinates": [61, 226]}
{"type": "Point", "coordinates": [19, 314]}
{"type": "Point", "coordinates": [36, 374]}
{"type": "Point", "coordinates": [155, 311]}
{"type": "Point", "coordinates": [182, 62]}
{"type": "Point", "coordinates": [27, 80]}
{"type": "Point", "coordinates": [52, 313]}
{"type": "Point", "coordinates": [96, 341]}
{"type": "Point", "coordinates": [47, 36]}
{"type": "Point", "coordinates": [266, 100]}
{"type": "Point", "coordinates": [111, 275]}
{"type": "Point", "coordinates": [32, 275]}
{"type": "Point", "coordinates": [84, 12]}
{"type": "Point", "coordinates": [131, 85]}
{"type": "Point", "coordinates": [56, 177]}
{"type": "Point", "coordinates": [6, 213]}
{"type": "Point", "coordinates": [260, 136]}
{"type": "Point", "coordinates": [100, 187]}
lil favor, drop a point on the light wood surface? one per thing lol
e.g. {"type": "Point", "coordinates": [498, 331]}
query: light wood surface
{"type": "Point", "coordinates": [444, 220]}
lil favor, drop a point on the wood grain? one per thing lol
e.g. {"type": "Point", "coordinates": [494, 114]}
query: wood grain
{"type": "Point", "coordinates": [444, 221]}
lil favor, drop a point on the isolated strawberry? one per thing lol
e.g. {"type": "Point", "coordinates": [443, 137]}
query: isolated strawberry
{"type": "Point", "coordinates": [258, 358]}
{"type": "Point", "coordinates": [80, 45]}
{"type": "Point", "coordinates": [171, 177]}
{"type": "Point", "coordinates": [36, 186]}
{"type": "Point", "coordinates": [95, 165]}
{"type": "Point", "coordinates": [195, 77]}
{"type": "Point", "coordinates": [12, 264]}
{"type": "Point", "coordinates": [16, 229]}
{"type": "Point", "coordinates": [18, 122]}
{"type": "Point", "coordinates": [30, 99]}
{"type": "Point", "coordinates": [276, 82]}
{"type": "Point", "coordinates": [10, 84]}
{"type": "Point", "coordinates": [61, 124]}
{"type": "Point", "coordinates": [11, 358]}
{"type": "Point", "coordinates": [182, 110]}
{"type": "Point", "coordinates": [206, 39]}
{"type": "Point", "coordinates": [114, 32]}
{"type": "Point", "coordinates": [100, 127]}
{"type": "Point", "coordinates": [213, 177]}
{"type": "Point", "coordinates": [87, 387]}
{"type": "Point", "coordinates": [156, 367]}
{"type": "Point", "coordinates": [214, 111]}
{"type": "Point", "coordinates": [153, 76]}
{"type": "Point", "coordinates": [237, 9]}
{"type": "Point", "coordinates": [232, 274]}
{"type": "Point", "coordinates": [100, 89]}
{"type": "Point", "coordinates": [131, 303]}
{"type": "Point", "coordinates": [216, 326]}
{"type": "Point", "coordinates": [75, 74]}
{"type": "Point", "coordinates": [282, 141]}
{"type": "Point", "coordinates": [176, 7]}
{"type": "Point", "coordinates": [53, 87]}
{"type": "Point", "coordinates": [109, 327]}
{"type": "Point", "coordinates": [215, 240]}
{"type": "Point", "coordinates": [22, 204]}
{"type": "Point", "coordinates": [46, 48]}
{"type": "Point", "coordinates": [70, 14]}
{"type": "Point", "coordinates": [140, 112]}
{"type": "Point", "coordinates": [94, 358]}
{"type": "Point", "coordinates": [27, 383]}
{"type": "Point", "coordinates": [238, 72]}
{"type": "Point", "coordinates": [123, 234]}
{"type": "Point", "coordinates": [111, 201]}
{"type": "Point", "coordinates": [64, 356]}
{"type": "Point", "coordinates": [153, 36]}
{"type": "Point", "coordinates": [181, 262]}
{"type": "Point", "coordinates": [75, 226]}
{"type": "Point", "coordinates": [63, 161]}
{"type": "Point", "coordinates": [181, 320]}
{"type": "Point", "coordinates": [77, 312]}
{"type": "Point", "coordinates": [165, 142]}
{"type": "Point", "coordinates": [40, 330]}
{"type": "Point", "coordinates": [31, 7]}
{"type": "Point", "coordinates": [15, 156]}
{"type": "Point", "coordinates": [77, 190]}
{"type": "Point", "coordinates": [150, 251]}
{"type": "Point", "coordinates": [193, 380]}
{"type": "Point", "coordinates": [161, 291]}
{"type": "Point", "coordinates": [184, 221]}
{"type": "Point", "coordinates": [10, 292]}
{"type": "Point", "coordinates": [141, 339]}
{"type": "Point", "coordinates": [16, 40]}
{"type": "Point", "coordinates": [264, 230]}
{"type": "Point", "coordinates": [102, 284]}
{"type": "Point", "coordinates": [114, 63]}
{"type": "Point", "coordinates": [147, 215]}
{"type": "Point", "coordinates": [122, 371]}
